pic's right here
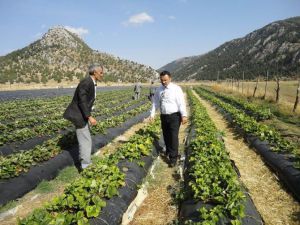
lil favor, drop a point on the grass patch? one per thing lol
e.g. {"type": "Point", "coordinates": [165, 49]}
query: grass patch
{"type": "Point", "coordinates": [8, 206]}
{"type": "Point", "coordinates": [154, 181]}
{"type": "Point", "coordinates": [65, 176]}
{"type": "Point", "coordinates": [45, 187]}
{"type": "Point", "coordinates": [68, 174]}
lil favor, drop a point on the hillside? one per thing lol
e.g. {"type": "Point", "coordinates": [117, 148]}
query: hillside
{"type": "Point", "coordinates": [274, 48]}
{"type": "Point", "coordinates": [175, 65]}
{"type": "Point", "coordinates": [61, 55]}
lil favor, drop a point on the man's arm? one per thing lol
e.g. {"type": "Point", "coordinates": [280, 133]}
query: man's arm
{"type": "Point", "coordinates": [83, 100]}
{"type": "Point", "coordinates": [83, 103]}
{"type": "Point", "coordinates": [155, 105]}
{"type": "Point", "coordinates": [182, 106]}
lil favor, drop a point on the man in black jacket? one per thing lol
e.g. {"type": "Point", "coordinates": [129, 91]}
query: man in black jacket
{"type": "Point", "coordinates": [79, 112]}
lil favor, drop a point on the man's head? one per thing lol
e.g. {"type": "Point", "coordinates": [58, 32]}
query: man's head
{"type": "Point", "coordinates": [165, 78]}
{"type": "Point", "coordinates": [97, 71]}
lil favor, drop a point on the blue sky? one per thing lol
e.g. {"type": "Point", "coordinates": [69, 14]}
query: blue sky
{"type": "Point", "coordinates": [153, 32]}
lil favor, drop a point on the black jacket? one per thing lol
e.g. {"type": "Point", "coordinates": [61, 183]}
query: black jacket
{"type": "Point", "coordinates": [81, 106]}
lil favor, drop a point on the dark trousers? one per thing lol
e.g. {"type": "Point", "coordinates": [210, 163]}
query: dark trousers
{"type": "Point", "coordinates": [170, 126]}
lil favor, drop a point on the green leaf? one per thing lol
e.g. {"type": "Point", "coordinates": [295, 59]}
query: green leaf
{"type": "Point", "coordinates": [92, 211]}
{"type": "Point", "coordinates": [111, 191]}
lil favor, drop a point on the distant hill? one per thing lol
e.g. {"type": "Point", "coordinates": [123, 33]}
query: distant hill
{"type": "Point", "coordinates": [177, 64]}
{"type": "Point", "coordinates": [274, 48]}
{"type": "Point", "coordinates": [61, 55]}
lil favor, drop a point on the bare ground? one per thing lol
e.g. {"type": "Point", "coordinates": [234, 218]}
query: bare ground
{"type": "Point", "coordinates": [274, 203]}
{"type": "Point", "coordinates": [159, 207]}
{"type": "Point", "coordinates": [29, 202]}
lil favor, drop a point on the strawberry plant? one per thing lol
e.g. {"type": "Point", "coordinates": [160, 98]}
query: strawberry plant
{"type": "Point", "coordinates": [249, 125]}
{"type": "Point", "coordinates": [85, 198]}
{"type": "Point", "coordinates": [212, 179]}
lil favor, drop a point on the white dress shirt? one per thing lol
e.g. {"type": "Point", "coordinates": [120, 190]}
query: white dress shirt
{"type": "Point", "coordinates": [95, 84]}
{"type": "Point", "coordinates": [169, 100]}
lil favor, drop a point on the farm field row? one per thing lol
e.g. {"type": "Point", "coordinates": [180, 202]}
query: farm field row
{"type": "Point", "coordinates": [203, 184]}
{"type": "Point", "coordinates": [59, 149]}
{"type": "Point", "coordinates": [287, 94]}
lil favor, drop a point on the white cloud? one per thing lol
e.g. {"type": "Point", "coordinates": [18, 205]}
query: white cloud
{"type": "Point", "coordinates": [172, 17]}
{"type": "Point", "coordinates": [139, 19]}
{"type": "Point", "coordinates": [79, 31]}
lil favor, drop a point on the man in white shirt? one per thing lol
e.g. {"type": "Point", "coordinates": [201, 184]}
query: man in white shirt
{"type": "Point", "coordinates": [169, 99]}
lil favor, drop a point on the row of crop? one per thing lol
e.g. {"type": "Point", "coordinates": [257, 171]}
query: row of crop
{"type": "Point", "coordinates": [49, 126]}
{"type": "Point", "coordinates": [258, 112]}
{"type": "Point", "coordinates": [26, 112]}
{"type": "Point", "coordinates": [45, 108]}
{"type": "Point", "coordinates": [38, 116]}
{"type": "Point", "coordinates": [14, 105]}
{"type": "Point", "coordinates": [85, 198]}
{"type": "Point", "coordinates": [279, 154]}
{"type": "Point", "coordinates": [250, 126]}
{"type": "Point", "coordinates": [210, 175]}
{"type": "Point", "coordinates": [14, 164]}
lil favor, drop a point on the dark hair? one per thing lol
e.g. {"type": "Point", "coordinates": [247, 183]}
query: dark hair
{"type": "Point", "coordinates": [165, 72]}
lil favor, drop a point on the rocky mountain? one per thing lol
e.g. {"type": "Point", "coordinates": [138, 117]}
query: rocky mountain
{"type": "Point", "coordinates": [273, 49]}
{"type": "Point", "coordinates": [61, 55]}
{"type": "Point", "coordinates": [177, 64]}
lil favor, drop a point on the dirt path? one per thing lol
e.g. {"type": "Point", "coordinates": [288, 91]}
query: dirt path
{"type": "Point", "coordinates": [159, 207]}
{"type": "Point", "coordinates": [275, 205]}
{"type": "Point", "coordinates": [33, 199]}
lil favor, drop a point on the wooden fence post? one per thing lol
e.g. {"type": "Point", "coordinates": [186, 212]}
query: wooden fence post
{"type": "Point", "coordinates": [297, 98]}
{"type": "Point", "coordinates": [243, 83]}
{"type": "Point", "coordinates": [255, 88]}
{"type": "Point", "coordinates": [277, 89]}
{"type": "Point", "coordinates": [264, 96]}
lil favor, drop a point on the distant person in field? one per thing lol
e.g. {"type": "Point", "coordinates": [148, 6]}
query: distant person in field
{"type": "Point", "coordinates": [79, 112]}
{"type": "Point", "coordinates": [137, 90]}
{"type": "Point", "coordinates": [169, 99]}
{"type": "Point", "coordinates": [151, 91]}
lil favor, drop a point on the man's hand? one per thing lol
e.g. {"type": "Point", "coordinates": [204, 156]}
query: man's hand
{"type": "Point", "coordinates": [184, 120]}
{"type": "Point", "coordinates": [92, 121]}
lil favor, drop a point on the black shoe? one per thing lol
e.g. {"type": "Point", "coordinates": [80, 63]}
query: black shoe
{"type": "Point", "coordinates": [172, 164]}
{"type": "Point", "coordinates": [164, 157]}
{"type": "Point", "coordinates": [78, 167]}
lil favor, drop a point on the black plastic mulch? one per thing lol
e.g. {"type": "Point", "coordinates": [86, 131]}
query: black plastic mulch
{"type": "Point", "coordinates": [280, 163]}
{"type": "Point", "coordinates": [115, 207]}
{"type": "Point", "coordinates": [15, 147]}
{"type": "Point", "coordinates": [14, 188]}
{"type": "Point", "coordinates": [189, 208]}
